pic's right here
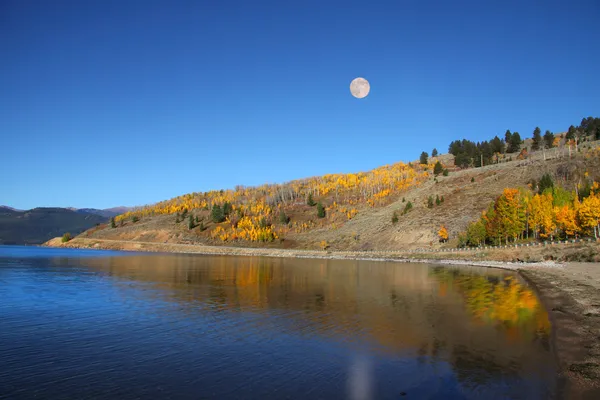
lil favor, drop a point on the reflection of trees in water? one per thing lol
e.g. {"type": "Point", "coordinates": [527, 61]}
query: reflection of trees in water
{"type": "Point", "coordinates": [504, 301]}
{"type": "Point", "coordinates": [406, 308]}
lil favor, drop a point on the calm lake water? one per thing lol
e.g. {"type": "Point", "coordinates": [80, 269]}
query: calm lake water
{"type": "Point", "coordinates": [88, 324]}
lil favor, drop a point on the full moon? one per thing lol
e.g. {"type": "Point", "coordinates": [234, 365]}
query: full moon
{"type": "Point", "coordinates": [360, 88]}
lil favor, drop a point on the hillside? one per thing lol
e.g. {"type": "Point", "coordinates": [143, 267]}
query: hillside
{"type": "Point", "coordinates": [358, 208]}
{"type": "Point", "coordinates": [38, 225]}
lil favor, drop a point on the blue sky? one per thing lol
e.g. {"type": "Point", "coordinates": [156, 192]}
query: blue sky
{"type": "Point", "coordinates": [106, 103]}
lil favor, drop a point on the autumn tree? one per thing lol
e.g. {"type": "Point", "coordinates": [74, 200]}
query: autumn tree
{"type": "Point", "coordinates": [443, 234]}
{"type": "Point", "coordinates": [423, 158]}
{"type": "Point", "coordinates": [320, 210]}
{"type": "Point", "coordinates": [438, 168]}
{"type": "Point", "coordinates": [476, 233]}
{"type": "Point", "coordinates": [537, 139]}
{"type": "Point", "coordinates": [589, 214]}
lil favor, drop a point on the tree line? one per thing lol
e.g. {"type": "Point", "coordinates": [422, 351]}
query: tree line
{"type": "Point", "coordinates": [550, 212]}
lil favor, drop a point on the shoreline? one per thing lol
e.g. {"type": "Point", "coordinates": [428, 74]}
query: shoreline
{"type": "Point", "coordinates": [569, 291]}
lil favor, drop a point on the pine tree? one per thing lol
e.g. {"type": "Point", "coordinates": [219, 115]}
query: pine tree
{"type": "Point", "coordinates": [227, 208]}
{"type": "Point", "coordinates": [570, 133]}
{"type": "Point", "coordinates": [191, 224]}
{"type": "Point", "coordinates": [437, 200]}
{"type": "Point", "coordinates": [549, 139]}
{"type": "Point", "coordinates": [394, 217]}
{"type": "Point", "coordinates": [407, 208]}
{"type": "Point", "coordinates": [320, 210]}
{"type": "Point", "coordinates": [283, 219]}
{"type": "Point", "coordinates": [423, 158]}
{"type": "Point", "coordinates": [515, 143]}
{"type": "Point", "coordinates": [545, 183]}
{"type": "Point", "coordinates": [507, 138]}
{"type": "Point", "coordinates": [434, 152]}
{"type": "Point", "coordinates": [537, 139]}
{"type": "Point", "coordinates": [310, 200]}
{"type": "Point", "coordinates": [112, 223]}
{"type": "Point", "coordinates": [430, 202]}
{"type": "Point", "coordinates": [217, 214]}
{"type": "Point", "coordinates": [438, 168]}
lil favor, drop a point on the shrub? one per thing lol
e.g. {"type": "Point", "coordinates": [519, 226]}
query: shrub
{"type": "Point", "coordinates": [403, 200]}
{"type": "Point", "coordinates": [437, 200]}
{"type": "Point", "coordinates": [472, 179]}
{"type": "Point", "coordinates": [66, 237]}
{"type": "Point", "coordinates": [407, 208]}
{"type": "Point", "coordinates": [395, 218]}
{"type": "Point", "coordinates": [320, 210]}
{"type": "Point", "coordinates": [283, 218]}
{"type": "Point", "coordinates": [445, 173]}
{"type": "Point", "coordinates": [134, 219]}
{"type": "Point", "coordinates": [430, 202]}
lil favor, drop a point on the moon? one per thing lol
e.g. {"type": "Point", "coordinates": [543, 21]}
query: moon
{"type": "Point", "coordinates": [360, 88]}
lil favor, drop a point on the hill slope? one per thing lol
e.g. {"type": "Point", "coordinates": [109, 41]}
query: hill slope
{"type": "Point", "coordinates": [38, 225]}
{"type": "Point", "coordinates": [358, 207]}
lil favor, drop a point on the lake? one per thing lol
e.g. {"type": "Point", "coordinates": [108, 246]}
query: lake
{"type": "Point", "coordinates": [105, 325]}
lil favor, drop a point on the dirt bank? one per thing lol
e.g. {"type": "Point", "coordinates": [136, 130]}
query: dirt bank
{"type": "Point", "coordinates": [570, 291]}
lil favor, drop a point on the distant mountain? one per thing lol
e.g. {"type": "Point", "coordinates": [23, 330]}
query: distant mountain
{"type": "Point", "coordinates": [107, 212]}
{"type": "Point", "coordinates": [38, 225]}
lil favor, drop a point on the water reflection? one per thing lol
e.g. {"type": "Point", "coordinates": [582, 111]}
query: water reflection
{"type": "Point", "coordinates": [344, 329]}
{"type": "Point", "coordinates": [484, 316]}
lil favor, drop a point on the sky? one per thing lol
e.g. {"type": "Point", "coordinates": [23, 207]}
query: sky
{"type": "Point", "coordinates": [109, 103]}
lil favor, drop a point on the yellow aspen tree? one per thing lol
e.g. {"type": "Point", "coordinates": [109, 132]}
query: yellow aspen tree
{"type": "Point", "coordinates": [443, 234]}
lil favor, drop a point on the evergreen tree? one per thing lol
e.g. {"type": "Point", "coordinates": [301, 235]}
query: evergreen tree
{"type": "Point", "coordinates": [178, 218]}
{"type": "Point", "coordinates": [227, 208]}
{"type": "Point", "coordinates": [320, 210]}
{"type": "Point", "coordinates": [442, 199]}
{"type": "Point", "coordinates": [394, 217]}
{"type": "Point", "coordinates": [445, 173]}
{"type": "Point", "coordinates": [135, 218]}
{"type": "Point", "coordinates": [437, 200]}
{"type": "Point", "coordinates": [549, 139]}
{"type": "Point", "coordinates": [423, 158]}
{"type": "Point", "coordinates": [497, 145]}
{"type": "Point", "coordinates": [434, 152]}
{"type": "Point", "coordinates": [112, 223]}
{"type": "Point", "coordinates": [191, 224]}
{"type": "Point", "coordinates": [217, 214]}
{"type": "Point", "coordinates": [507, 138]}
{"type": "Point", "coordinates": [537, 139]}
{"type": "Point", "coordinates": [310, 200]}
{"type": "Point", "coordinates": [570, 133]}
{"type": "Point", "coordinates": [438, 169]}
{"type": "Point", "coordinates": [545, 183]}
{"type": "Point", "coordinates": [407, 208]}
{"type": "Point", "coordinates": [515, 143]}
{"type": "Point", "coordinates": [66, 237]}
{"type": "Point", "coordinates": [283, 219]}
{"type": "Point", "coordinates": [430, 202]}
